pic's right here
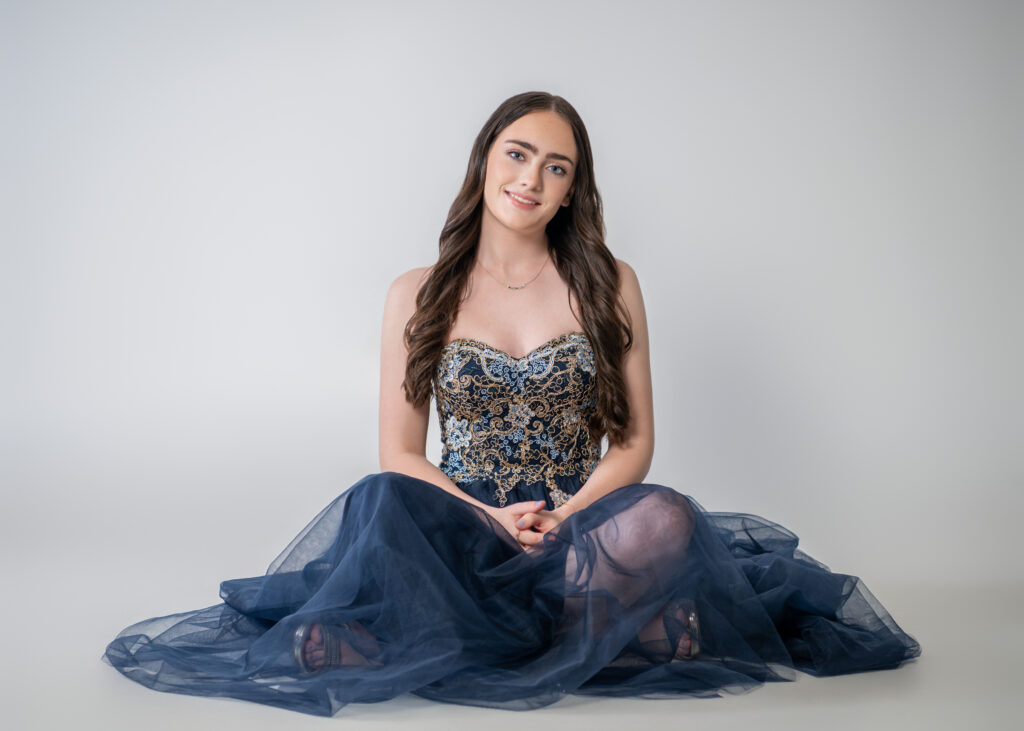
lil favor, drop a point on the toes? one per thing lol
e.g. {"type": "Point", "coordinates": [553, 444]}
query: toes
{"type": "Point", "coordinates": [683, 649]}
{"type": "Point", "coordinates": [314, 656]}
{"type": "Point", "coordinates": [313, 650]}
{"type": "Point", "coordinates": [684, 646]}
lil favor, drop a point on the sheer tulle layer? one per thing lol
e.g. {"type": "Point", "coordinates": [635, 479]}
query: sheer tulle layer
{"type": "Point", "coordinates": [442, 602]}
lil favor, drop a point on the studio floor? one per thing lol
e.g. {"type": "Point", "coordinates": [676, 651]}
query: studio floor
{"type": "Point", "coordinates": [967, 677]}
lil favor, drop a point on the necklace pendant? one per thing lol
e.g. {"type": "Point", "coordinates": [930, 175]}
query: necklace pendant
{"type": "Point", "coordinates": [519, 287]}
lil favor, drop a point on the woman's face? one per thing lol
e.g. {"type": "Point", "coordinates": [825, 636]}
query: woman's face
{"type": "Point", "coordinates": [530, 171]}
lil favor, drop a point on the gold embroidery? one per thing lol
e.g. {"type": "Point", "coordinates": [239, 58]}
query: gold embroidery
{"type": "Point", "coordinates": [558, 497]}
{"type": "Point", "coordinates": [517, 420]}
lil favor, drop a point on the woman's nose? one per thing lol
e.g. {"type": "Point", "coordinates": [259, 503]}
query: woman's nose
{"type": "Point", "coordinates": [531, 176]}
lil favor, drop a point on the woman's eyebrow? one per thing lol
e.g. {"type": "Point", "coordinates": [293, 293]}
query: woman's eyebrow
{"type": "Point", "coordinates": [531, 148]}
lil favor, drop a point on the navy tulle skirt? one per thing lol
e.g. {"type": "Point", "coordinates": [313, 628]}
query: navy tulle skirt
{"type": "Point", "coordinates": [440, 601]}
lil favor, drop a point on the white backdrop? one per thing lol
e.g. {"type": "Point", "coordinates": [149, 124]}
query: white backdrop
{"type": "Point", "coordinates": [204, 203]}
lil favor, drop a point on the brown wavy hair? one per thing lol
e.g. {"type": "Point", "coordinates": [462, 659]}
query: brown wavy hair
{"type": "Point", "coordinates": [576, 242]}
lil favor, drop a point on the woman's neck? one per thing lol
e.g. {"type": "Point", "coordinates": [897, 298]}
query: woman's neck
{"type": "Point", "coordinates": [512, 256]}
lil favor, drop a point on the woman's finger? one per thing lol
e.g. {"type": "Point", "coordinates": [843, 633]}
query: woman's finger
{"type": "Point", "coordinates": [530, 538]}
{"type": "Point", "coordinates": [530, 506]}
{"type": "Point", "coordinates": [543, 521]}
{"type": "Point", "coordinates": [527, 521]}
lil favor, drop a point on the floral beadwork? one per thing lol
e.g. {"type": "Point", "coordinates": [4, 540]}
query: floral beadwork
{"type": "Point", "coordinates": [517, 420]}
{"type": "Point", "coordinates": [559, 497]}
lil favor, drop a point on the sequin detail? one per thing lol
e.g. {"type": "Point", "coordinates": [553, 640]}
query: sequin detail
{"type": "Point", "coordinates": [517, 420]}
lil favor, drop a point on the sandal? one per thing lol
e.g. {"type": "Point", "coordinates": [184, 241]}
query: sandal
{"type": "Point", "coordinates": [681, 620]}
{"type": "Point", "coordinates": [337, 649]}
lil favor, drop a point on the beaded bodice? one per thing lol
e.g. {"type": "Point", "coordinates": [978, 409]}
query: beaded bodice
{"type": "Point", "coordinates": [517, 420]}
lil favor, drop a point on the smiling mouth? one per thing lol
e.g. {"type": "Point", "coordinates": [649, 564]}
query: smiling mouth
{"type": "Point", "coordinates": [522, 201]}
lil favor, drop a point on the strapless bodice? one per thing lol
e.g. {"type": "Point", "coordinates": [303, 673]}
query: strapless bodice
{"type": "Point", "coordinates": [517, 420]}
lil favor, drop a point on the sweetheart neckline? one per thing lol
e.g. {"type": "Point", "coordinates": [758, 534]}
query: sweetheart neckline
{"type": "Point", "coordinates": [543, 345]}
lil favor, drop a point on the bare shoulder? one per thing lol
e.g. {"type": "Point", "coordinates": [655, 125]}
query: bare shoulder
{"type": "Point", "coordinates": [633, 299]}
{"type": "Point", "coordinates": [400, 302]}
{"type": "Point", "coordinates": [407, 284]}
{"type": "Point", "coordinates": [629, 283]}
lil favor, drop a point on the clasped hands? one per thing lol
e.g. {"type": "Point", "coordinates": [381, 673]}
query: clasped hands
{"type": "Point", "coordinates": [528, 521]}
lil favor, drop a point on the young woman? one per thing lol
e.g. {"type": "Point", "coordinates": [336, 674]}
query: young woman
{"type": "Point", "coordinates": [526, 565]}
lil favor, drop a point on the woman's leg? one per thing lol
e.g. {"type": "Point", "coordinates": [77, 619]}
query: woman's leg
{"type": "Point", "coordinates": [629, 564]}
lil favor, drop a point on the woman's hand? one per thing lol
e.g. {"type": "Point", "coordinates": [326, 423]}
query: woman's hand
{"type": "Point", "coordinates": [528, 521]}
{"type": "Point", "coordinates": [510, 515]}
{"type": "Point", "coordinates": [532, 526]}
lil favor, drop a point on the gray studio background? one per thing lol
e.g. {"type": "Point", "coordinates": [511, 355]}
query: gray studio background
{"type": "Point", "coordinates": [204, 203]}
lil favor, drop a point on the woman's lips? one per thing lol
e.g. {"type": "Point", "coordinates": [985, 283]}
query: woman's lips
{"type": "Point", "coordinates": [518, 203]}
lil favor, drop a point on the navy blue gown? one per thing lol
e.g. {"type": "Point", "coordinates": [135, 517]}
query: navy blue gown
{"type": "Point", "coordinates": [440, 601]}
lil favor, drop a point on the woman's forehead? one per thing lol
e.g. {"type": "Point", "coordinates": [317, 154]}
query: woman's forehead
{"type": "Point", "coordinates": [546, 131]}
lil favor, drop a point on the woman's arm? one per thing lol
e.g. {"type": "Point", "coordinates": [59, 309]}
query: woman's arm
{"type": "Point", "coordinates": [624, 464]}
{"type": "Point", "coordinates": [402, 431]}
{"type": "Point", "coordinates": [402, 436]}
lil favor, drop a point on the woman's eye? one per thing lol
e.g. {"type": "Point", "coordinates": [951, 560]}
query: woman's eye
{"type": "Point", "coordinates": [556, 169]}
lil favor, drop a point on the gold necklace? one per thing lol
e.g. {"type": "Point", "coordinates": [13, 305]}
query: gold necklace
{"type": "Point", "coordinates": [510, 286]}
